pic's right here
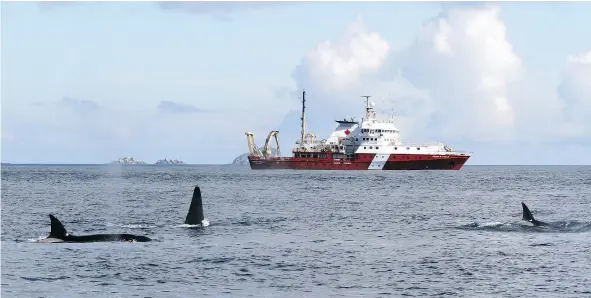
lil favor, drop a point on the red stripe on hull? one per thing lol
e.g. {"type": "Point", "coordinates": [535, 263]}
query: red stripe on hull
{"type": "Point", "coordinates": [264, 164]}
{"type": "Point", "coordinates": [425, 162]}
{"type": "Point", "coordinates": [363, 162]}
{"type": "Point", "coordinates": [434, 164]}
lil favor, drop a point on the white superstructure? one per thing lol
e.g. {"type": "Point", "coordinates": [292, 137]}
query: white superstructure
{"type": "Point", "coordinates": [378, 136]}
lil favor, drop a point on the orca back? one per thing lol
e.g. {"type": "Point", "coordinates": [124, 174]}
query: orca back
{"type": "Point", "coordinates": [57, 228]}
{"type": "Point", "coordinates": [108, 237]}
{"type": "Point", "coordinates": [195, 214]}
{"type": "Point", "coordinates": [527, 216]}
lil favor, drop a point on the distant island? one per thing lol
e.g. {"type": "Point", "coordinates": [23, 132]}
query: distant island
{"type": "Point", "coordinates": [133, 161]}
{"type": "Point", "coordinates": [169, 162]}
{"type": "Point", "coordinates": [128, 161]}
{"type": "Point", "coordinates": [243, 159]}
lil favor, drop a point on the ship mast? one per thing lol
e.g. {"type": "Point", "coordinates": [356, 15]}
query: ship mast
{"type": "Point", "coordinates": [369, 111]}
{"type": "Point", "coordinates": [303, 118]}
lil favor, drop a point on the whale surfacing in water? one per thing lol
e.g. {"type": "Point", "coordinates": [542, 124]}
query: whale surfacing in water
{"type": "Point", "coordinates": [195, 215]}
{"type": "Point", "coordinates": [527, 216]}
{"type": "Point", "coordinates": [59, 234]}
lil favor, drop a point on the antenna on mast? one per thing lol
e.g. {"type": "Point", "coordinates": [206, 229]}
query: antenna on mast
{"type": "Point", "coordinates": [369, 112]}
{"type": "Point", "coordinates": [366, 99]}
{"type": "Point", "coordinates": [303, 118]}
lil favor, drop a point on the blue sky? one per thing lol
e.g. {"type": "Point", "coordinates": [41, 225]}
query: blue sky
{"type": "Point", "coordinates": [92, 82]}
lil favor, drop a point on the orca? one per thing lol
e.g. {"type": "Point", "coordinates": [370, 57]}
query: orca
{"type": "Point", "coordinates": [195, 215]}
{"type": "Point", "coordinates": [59, 234]}
{"type": "Point", "coordinates": [527, 216]}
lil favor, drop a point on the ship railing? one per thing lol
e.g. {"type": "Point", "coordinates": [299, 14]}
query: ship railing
{"type": "Point", "coordinates": [310, 142]}
{"type": "Point", "coordinates": [429, 144]}
{"type": "Point", "coordinates": [317, 150]}
{"type": "Point", "coordinates": [435, 144]}
{"type": "Point", "coordinates": [379, 143]}
{"type": "Point", "coordinates": [272, 157]}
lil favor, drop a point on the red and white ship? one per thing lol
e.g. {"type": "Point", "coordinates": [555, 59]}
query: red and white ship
{"type": "Point", "coordinates": [372, 144]}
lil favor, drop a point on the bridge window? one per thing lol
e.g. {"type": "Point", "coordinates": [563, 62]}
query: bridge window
{"type": "Point", "coordinates": [377, 147]}
{"type": "Point", "coordinates": [395, 148]}
{"type": "Point", "coordinates": [370, 147]}
{"type": "Point", "coordinates": [364, 147]}
{"type": "Point", "coordinates": [418, 148]}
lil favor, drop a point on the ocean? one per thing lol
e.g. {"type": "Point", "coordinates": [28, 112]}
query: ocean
{"type": "Point", "coordinates": [285, 233]}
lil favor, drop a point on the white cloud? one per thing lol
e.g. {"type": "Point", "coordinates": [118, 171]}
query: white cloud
{"type": "Point", "coordinates": [464, 61]}
{"type": "Point", "coordinates": [575, 93]}
{"type": "Point", "coordinates": [459, 80]}
{"type": "Point", "coordinates": [335, 73]}
{"type": "Point", "coordinates": [460, 68]}
{"type": "Point", "coordinates": [338, 66]}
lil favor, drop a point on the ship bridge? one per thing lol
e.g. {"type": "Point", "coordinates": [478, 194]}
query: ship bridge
{"type": "Point", "coordinates": [372, 130]}
{"type": "Point", "coordinates": [344, 129]}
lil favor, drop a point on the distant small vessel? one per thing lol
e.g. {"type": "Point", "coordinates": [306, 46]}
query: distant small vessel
{"type": "Point", "coordinates": [372, 144]}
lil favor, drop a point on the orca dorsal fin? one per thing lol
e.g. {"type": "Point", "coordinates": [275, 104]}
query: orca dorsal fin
{"type": "Point", "coordinates": [527, 214]}
{"type": "Point", "coordinates": [195, 214]}
{"type": "Point", "coordinates": [57, 228]}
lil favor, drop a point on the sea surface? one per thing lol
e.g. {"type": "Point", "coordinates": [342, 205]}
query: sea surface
{"type": "Point", "coordinates": [281, 233]}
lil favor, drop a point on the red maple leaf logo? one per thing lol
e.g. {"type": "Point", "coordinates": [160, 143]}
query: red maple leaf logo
{"type": "Point", "coordinates": [347, 132]}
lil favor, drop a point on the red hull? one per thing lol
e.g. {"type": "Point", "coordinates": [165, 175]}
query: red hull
{"type": "Point", "coordinates": [363, 162]}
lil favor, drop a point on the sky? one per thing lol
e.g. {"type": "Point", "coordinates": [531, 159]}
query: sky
{"type": "Point", "coordinates": [90, 82]}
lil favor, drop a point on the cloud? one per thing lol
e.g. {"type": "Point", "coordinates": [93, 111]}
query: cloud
{"type": "Point", "coordinates": [334, 74]}
{"type": "Point", "coordinates": [460, 81]}
{"type": "Point", "coordinates": [575, 93]}
{"type": "Point", "coordinates": [177, 108]}
{"type": "Point", "coordinates": [464, 61]}
{"type": "Point", "coordinates": [452, 82]}
{"type": "Point", "coordinates": [76, 130]}
{"type": "Point", "coordinates": [79, 105]}
{"type": "Point", "coordinates": [221, 10]}
{"type": "Point", "coordinates": [341, 65]}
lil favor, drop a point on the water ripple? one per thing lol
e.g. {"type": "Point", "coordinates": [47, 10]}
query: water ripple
{"type": "Point", "coordinates": [298, 233]}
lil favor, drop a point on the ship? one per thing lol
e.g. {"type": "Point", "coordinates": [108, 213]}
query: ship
{"type": "Point", "coordinates": [373, 143]}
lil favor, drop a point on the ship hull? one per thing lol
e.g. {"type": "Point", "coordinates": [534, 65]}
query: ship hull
{"type": "Point", "coordinates": [364, 162]}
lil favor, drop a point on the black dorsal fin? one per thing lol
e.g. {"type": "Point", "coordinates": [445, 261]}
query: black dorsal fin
{"type": "Point", "coordinates": [195, 214]}
{"type": "Point", "coordinates": [57, 229]}
{"type": "Point", "coordinates": [527, 214]}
